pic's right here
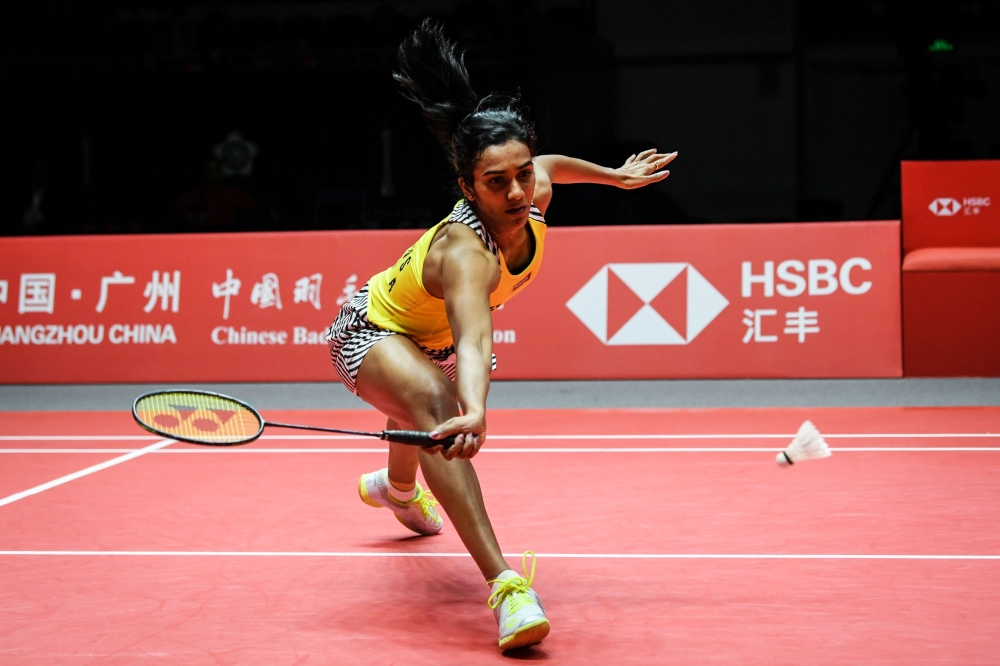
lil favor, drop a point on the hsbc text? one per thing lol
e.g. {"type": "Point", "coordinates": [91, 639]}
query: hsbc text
{"type": "Point", "coordinates": [819, 276]}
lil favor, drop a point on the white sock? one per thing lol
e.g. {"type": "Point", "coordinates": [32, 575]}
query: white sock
{"type": "Point", "coordinates": [402, 495]}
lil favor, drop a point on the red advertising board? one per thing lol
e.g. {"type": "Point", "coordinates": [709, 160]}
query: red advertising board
{"type": "Point", "coordinates": [781, 300]}
{"type": "Point", "coordinates": [762, 300]}
{"type": "Point", "coordinates": [951, 204]}
{"type": "Point", "coordinates": [182, 308]}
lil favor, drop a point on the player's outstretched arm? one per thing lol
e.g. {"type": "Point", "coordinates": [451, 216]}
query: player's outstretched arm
{"type": "Point", "coordinates": [638, 170]}
{"type": "Point", "coordinates": [469, 273]}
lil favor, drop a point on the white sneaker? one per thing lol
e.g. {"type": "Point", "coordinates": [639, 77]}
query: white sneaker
{"type": "Point", "coordinates": [518, 609]}
{"type": "Point", "coordinates": [418, 514]}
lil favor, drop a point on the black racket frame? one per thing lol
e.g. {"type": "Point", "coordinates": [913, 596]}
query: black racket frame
{"type": "Point", "coordinates": [410, 437]}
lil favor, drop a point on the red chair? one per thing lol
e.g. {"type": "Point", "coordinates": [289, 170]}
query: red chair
{"type": "Point", "coordinates": [951, 268]}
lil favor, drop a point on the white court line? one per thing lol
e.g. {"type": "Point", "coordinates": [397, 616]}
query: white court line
{"type": "Point", "coordinates": [594, 556]}
{"type": "Point", "coordinates": [562, 449]}
{"type": "Point", "coordinates": [688, 436]}
{"type": "Point", "coordinates": [84, 472]}
{"type": "Point", "coordinates": [77, 438]}
{"type": "Point", "coordinates": [676, 436]}
{"type": "Point", "coordinates": [881, 435]}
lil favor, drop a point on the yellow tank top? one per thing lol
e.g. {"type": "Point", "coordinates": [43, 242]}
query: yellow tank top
{"type": "Point", "coordinates": [397, 300]}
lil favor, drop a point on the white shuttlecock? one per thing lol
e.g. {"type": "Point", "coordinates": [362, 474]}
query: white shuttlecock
{"type": "Point", "coordinates": [807, 445]}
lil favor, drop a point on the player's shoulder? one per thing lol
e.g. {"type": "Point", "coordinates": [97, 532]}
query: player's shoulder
{"type": "Point", "coordinates": [460, 250]}
{"type": "Point", "coordinates": [543, 195]}
{"type": "Point", "coordinates": [460, 238]}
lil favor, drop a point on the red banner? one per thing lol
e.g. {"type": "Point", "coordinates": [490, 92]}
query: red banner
{"type": "Point", "coordinates": [181, 308]}
{"type": "Point", "coordinates": [951, 204]}
{"type": "Point", "coordinates": [763, 300]}
{"type": "Point", "coordinates": [789, 300]}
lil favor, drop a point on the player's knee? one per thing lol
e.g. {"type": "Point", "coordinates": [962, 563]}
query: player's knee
{"type": "Point", "coordinates": [436, 398]}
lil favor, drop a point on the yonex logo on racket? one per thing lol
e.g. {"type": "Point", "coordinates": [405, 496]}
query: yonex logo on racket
{"type": "Point", "coordinates": [647, 304]}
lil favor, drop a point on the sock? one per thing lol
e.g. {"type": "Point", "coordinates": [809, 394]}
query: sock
{"type": "Point", "coordinates": [401, 495]}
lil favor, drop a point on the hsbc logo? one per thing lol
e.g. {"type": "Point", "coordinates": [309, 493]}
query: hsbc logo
{"type": "Point", "coordinates": [945, 207]}
{"type": "Point", "coordinates": [647, 304]}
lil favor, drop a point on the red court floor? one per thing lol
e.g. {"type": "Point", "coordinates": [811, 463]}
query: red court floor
{"type": "Point", "coordinates": [663, 536]}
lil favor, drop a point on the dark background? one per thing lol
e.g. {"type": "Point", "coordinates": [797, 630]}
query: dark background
{"type": "Point", "coordinates": [781, 110]}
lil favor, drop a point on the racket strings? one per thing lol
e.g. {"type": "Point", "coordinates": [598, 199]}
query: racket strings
{"type": "Point", "coordinates": [201, 417]}
{"type": "Point", "coordinates": [198, 417]}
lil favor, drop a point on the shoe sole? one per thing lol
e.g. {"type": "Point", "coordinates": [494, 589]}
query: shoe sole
{"type": "Point", "coordinates": [366, 498]}
{"type": "Point", "coordinates": [526, 635]}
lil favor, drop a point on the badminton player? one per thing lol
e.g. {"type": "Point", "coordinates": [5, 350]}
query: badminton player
{"type": "Point", "coordinates": [416, 341]}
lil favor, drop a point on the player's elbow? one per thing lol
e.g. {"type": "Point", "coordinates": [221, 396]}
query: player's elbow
{"type": "Point", "coordinates": [477, 346]}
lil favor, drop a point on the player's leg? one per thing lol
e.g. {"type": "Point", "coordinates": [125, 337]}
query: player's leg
{"type": "Point", "coordinates": [403, 460]}
{"type": "Point", "coordinates": [398, 380]}
{"type": "Point", "coordinates": [456, 485]}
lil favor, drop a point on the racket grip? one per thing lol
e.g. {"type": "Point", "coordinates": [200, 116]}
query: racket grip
{"type": "Point", "coordinates": [416, 438]}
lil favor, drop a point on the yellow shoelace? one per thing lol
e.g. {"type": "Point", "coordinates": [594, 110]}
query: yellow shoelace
{"type": "Point", "coordinates": [515, 587]}
{"type": "Point", "coordinates": [426, 500]}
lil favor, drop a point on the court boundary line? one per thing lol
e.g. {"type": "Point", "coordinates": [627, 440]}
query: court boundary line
{"type": "Point", "coordinates": [565, 449]}
{"type": "Point", "coordinates": [693, 436]}
{"type": "Point", "coordinates": [10, 499]}
{"type": "Point", "coordinates": [609, 556]}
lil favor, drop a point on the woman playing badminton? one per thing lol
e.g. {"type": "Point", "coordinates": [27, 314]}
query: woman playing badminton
{"type": "Point", "coordinates": [416, 341]}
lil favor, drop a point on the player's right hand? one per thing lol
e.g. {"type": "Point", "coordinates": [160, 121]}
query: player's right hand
{"type": "Point", "coordinates": [470, 435]}
{"type": "Point", "coordinates": [643, 169]}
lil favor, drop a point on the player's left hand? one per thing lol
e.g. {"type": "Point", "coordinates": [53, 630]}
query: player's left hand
{"type": "Point", "coordinates": [470, 434]}
{"type": "Point", "coordinates": [644, 169]}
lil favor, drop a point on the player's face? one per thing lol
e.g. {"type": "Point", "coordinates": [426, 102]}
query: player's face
{"type": "Point", "coordinates": [503, 186]}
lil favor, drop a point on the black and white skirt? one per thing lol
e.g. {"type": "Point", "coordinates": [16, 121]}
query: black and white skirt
{"type": "Point", "coordinates": [351, 337]}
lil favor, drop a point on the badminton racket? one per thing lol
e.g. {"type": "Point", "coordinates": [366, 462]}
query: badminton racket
{"type": "Point", "coordinates": [213, 419]}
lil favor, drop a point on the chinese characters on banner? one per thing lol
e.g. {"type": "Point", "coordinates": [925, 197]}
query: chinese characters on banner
{"type": "Point", "coordinates": [789, 300]}
{"type": "Point", "coordinates": [266, 293]}
{"type": "Point", "coordinates": [350, 288]}
{"type": "Point", "coordinates": [167, 290]}
{"type": "Point", "coordinates": [226, 289]}
{"type": "Point", "coordinates": [823, 280]}
{"type": "Point", "coordinates": [307, 290]}
{"type": "Point", "coordinates": [109, 280]}
{"type": "Point", "coordinates": [177, 308]}
{"type": "Point", "coordinates": [38, 293]}
{"type": "Point", "coordinates": [798, 322]}
{"type": "Point", "coordinates": [782, 300]}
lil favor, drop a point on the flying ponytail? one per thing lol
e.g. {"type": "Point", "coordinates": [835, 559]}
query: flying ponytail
{"type": "Point", "coordinates": [434, 76]}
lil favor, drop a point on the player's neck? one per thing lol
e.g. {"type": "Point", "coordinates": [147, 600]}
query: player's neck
{"type": "Point", "coordinates": [516, 247]}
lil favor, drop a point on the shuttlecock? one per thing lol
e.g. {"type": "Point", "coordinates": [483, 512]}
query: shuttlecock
{"type": "Point", "coordinates": [807, 445]}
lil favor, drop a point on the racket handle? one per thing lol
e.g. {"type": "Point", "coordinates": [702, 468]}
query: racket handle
{"type": "Point", "coordinates": [416, 438]}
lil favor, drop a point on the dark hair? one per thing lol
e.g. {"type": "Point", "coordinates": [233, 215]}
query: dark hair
{"type": "Point", "coordinates": [433, 76]}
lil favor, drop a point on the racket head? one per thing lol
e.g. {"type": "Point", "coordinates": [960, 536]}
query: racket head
{"type": "Point", "coordinates": [198, 417]}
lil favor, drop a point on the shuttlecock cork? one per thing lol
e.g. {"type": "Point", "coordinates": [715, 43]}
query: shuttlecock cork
{"type": "Point", "coordinates": [807, 445]}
